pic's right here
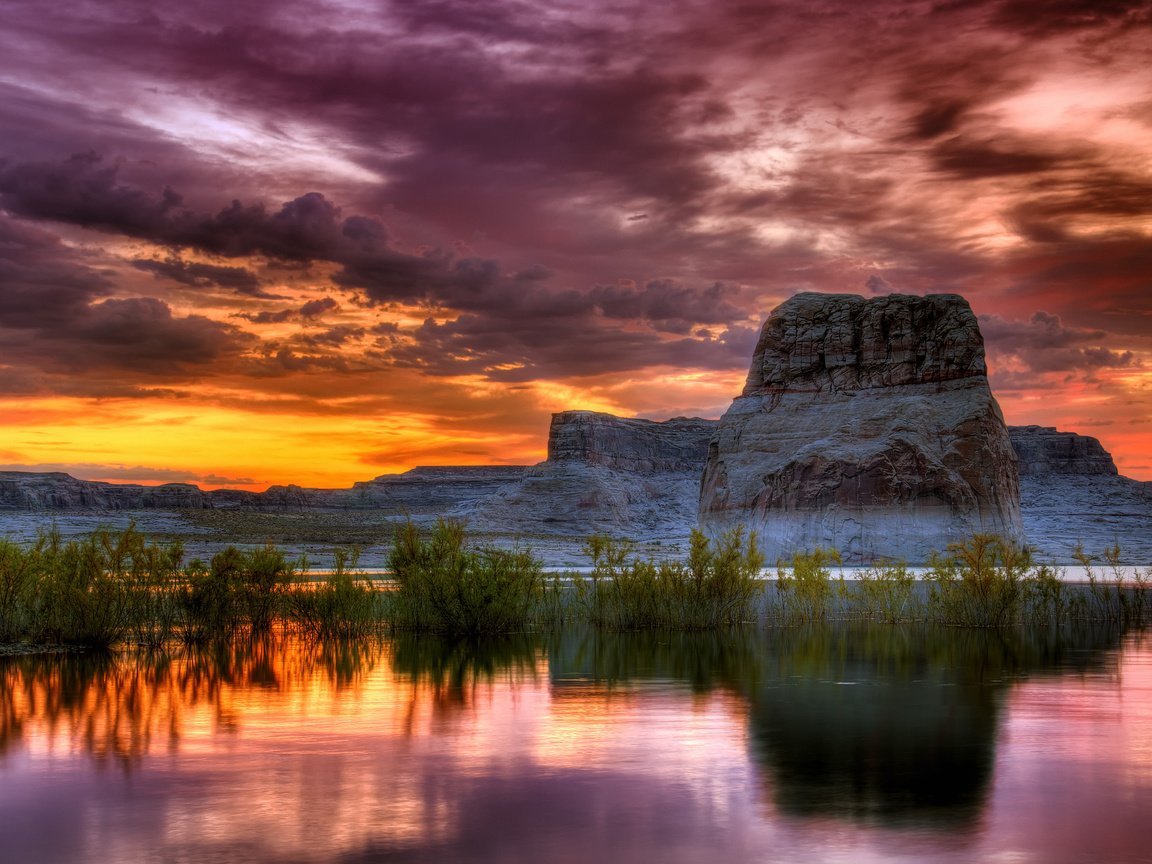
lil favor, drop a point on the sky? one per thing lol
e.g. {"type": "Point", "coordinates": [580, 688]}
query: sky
{"type": "Point", "coordinates": [316, 241]}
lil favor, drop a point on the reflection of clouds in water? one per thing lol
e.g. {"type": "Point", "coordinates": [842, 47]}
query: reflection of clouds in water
{"type": "Point", "coordinates": [571, 748]}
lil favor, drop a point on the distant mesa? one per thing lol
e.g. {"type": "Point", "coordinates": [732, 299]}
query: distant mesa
{"type": "Point", "coordinates": [606, 474]}
{"type": "Point", "coordinates": [868, 426]}
{"type": "Point", "coordinates": [1043, 450]}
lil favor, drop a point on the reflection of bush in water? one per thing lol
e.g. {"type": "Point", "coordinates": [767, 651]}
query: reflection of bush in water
{"type": "Point", "coordinates": [709, 659]}
{"type": "Point", "coordinates": [116, 706]}
{"type": "Point", "coordinates": [453, 667]}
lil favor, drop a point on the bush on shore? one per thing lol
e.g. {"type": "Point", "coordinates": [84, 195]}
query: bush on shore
{"type": "Point", "coordinates": [717, 585]}
{"type": "Point", "coordinates": [113, 586]}
{"type": "Point", "coordinates": [443, 586]}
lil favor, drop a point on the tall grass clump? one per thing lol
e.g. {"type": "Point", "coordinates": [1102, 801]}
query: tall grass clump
{"type": "Point", "coordinates": [237, 589]}
{"type": "Point", "coordinates": [18, 574]}
{"type": "Point", "coordinates": [346, 605]}
{"type": "Point", "coordinates": [717, 585]}
{"type": "Point", "coordinates": [979, 583]}
{"type": "Point", "coordinates": [99, 589]}
{"type": "Point", "coordinates": [804, 588]}
{"type": "Point", "coordinates": [1121, 599]}
{"type": "Point", "coordinates": [443, 586]}
{"type": "Point", "coordinates": [886, 592]}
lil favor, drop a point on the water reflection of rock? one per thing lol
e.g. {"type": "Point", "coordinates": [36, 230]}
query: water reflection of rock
{"type": "Point", "coordinates": [120, 707]}
{"type": "Point", "coordinates": [870, 723]}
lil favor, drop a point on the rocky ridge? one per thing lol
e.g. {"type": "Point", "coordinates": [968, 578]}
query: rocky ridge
{"type": "Point", "coordinates": [1043, 451]}
{"type": "Point", "coordinates": [418, 491]}
{"type": "Point", "coordinates": [605, 474]}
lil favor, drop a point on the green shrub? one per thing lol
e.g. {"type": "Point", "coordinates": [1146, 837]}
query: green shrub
{"type": "Point", "coordinates": [343, 606]}
{"type": "Point", "coordinates": [980, 583]}
{"type": "Point", "coordinates": [83, 593]}
{"type": "Point", "coordinates": [1120, 599]}
{"type": "Point", "coordinates": [18, 573]}
{"type": "Point", "coordinates": [805, 589]}
{"type": "Point", "coordinates": [885, 592]}
{"type": "Point", "coordinates": [235, 589]}
{"type": "Point", "coordinates": [442, 586]}
{"type": "Point", "coordinates": [718, 585]}
{"type": "Point", "coordinates": [1045, 597]}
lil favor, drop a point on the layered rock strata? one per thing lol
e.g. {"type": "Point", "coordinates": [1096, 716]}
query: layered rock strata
{"type": "Point", "coordinates": [1043, 451]}
{"type": "Point", "coordinates": [606, 474]}
{"type": "Point", "coordinates": [866, 425]}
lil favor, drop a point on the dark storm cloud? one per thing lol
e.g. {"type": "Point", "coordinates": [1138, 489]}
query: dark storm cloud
{"type": "Point", "coordinates": [1045, 344]}
{"type": "Point", "coordinates": [311, 228]}
{"type": "Point", "coordinates": [542, 131]}
{"type": "Point", "coordinates": [43, 281]}
{"type": "Point", "coordinates": [316, 308]}
{"type": "Point", "coordinates": [309, 311]}
{"type": "Point", "coordinates": [1048, 17]}
{"type": "Point", "coordinates": [56, 316]}
{"type": "Point", "coordinates": [141, 335]}
{"type": "Point", "coordinates": [976, 159]}
{"type": "Point", "coordinates": [515, 349]}
{"type": "Point", "coordinates": [238, 279]}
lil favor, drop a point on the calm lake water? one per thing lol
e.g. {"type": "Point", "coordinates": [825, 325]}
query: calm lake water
{"type": "Point", "coordinates": [850, 744]}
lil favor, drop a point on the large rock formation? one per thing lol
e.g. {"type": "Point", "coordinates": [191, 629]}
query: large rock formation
{"type": "Point", "coordinates": [867, 426]}
{"type": "Point", "coordinates": [606, 474]}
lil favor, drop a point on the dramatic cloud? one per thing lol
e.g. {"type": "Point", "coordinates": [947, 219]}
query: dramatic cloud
{"type": "Point", "coordinates": [1044, 344]}
{"type": "Point", "coordinates": [238, 279]}
{"type": "Point", "coordinates": [299, 206]}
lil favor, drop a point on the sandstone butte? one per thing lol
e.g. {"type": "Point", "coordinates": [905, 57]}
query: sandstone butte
{"type": "Point", "coordinates": [868, 426]}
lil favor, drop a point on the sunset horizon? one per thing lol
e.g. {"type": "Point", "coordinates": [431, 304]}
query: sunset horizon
{"type": "Point", "coordinates": [245, 245]}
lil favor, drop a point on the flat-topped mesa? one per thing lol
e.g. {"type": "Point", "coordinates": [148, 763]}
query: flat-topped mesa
{"type": "Point", "coordinates": [866, 425]}
{"type": "Point", "coordinates": [25, 490]}
{"type": "Point", "coordinates": [606, 474]}
{"type": "Point", "coordinates": [1044, 450]}
{"type": "Point", "coordinates": [646, 446]}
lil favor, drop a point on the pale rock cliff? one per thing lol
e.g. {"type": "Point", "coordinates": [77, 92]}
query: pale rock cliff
{"type": "Point", "coordinates": [1072, 494]}
{"type": "Point", "coordinates": [638, 478]}
{"type": "Point", "coordinates": [866, 425]}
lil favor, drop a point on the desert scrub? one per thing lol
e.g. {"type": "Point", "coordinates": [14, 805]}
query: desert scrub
{"type": "Point", "coordinates": [443, 586]}
{"type": "Point", "coordinates": [1121, 599]}
{"type": "Point", "coordinates": [717, 585]}
{"type": "Point", "coordinates": [979, 583]}
{"type": "Point", "coordinates": [236, 589]}
{"type": "Point", "coordinates": [804, 589]}
{"type": "Point", "coordinates": [96, 590]}
{"type": "Point", "coordinates": [886, 592]}
{"type": "Point", "coordinates": [18, 571]}
{"type": "Point", "coordinates": [1045, 600]}
{"type": "Point", "coordinates": [346, 605]}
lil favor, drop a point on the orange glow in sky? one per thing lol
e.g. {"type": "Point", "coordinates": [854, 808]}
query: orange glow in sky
{"type": "Point", "coordinates": [242, 247]}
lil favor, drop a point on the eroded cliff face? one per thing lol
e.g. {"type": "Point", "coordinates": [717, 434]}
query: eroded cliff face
{"type": "Point", "coordinates": [606, 474]}
{"type": "Point", "coordinates": [1044, 450]}
{"type": "Point", "coordinates": [866, 425]}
